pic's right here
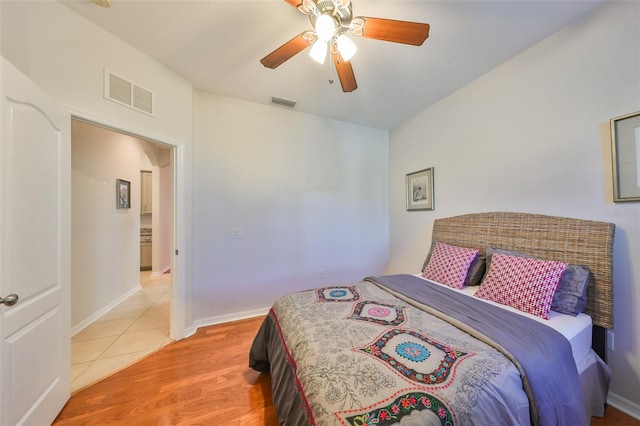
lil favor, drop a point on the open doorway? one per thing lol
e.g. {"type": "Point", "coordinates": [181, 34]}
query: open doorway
{"type": "Point", "coordinates": [119, 313]}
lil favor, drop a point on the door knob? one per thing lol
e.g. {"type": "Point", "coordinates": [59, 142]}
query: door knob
{"type": "Point", "coordinates": [10, 300]}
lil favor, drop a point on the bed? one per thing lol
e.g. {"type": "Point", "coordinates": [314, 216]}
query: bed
{"type": "Point", "coordinates": [409, 349]}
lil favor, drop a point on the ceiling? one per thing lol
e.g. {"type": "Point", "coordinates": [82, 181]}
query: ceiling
{"type": "Point", "coordinates": [218, 44]}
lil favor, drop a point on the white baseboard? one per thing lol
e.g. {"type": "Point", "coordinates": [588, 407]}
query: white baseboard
{"type": "Point", "coordinates": [219, 319]}
{"type": "Point", "coordinates": [161, 271]}
{"type": "Point", "coordinates": [624, 405]}
{"type": "Point", "coordinates": [190, 331]}
{"type": "Point", "coordinates": [88, 321]}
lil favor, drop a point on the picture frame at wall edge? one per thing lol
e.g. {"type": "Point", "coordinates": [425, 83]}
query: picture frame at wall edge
{"type": "Point", "coordinates": [625, 153]}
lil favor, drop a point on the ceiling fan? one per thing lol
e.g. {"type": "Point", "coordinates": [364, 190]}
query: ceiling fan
{"type": "Point", "coordinates": [331, 20]}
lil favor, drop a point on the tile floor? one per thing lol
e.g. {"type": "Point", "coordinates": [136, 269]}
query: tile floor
{"type": "Point", "coordinates": [128, 332]}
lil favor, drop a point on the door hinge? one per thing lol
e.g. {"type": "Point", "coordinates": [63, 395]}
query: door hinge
{"type": "Point", "coordinates": [176, 252]}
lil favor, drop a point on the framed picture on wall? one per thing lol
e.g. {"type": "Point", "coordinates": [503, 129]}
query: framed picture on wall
{"type": "Point", "coordinates": [419, 188]}
{"type": "Point", "coordinates": [625, 150]}
{"type": "Point", "coordinates": [123, 194]}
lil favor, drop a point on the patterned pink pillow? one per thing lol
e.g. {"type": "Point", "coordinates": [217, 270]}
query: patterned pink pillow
{"type": "Point", "coordinates": [449, 264]}
{"type": "Point", "coordinates": [525, 283]}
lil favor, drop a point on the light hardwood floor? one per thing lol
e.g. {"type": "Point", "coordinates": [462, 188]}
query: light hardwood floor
{"type": "Point", "coordinates": [204, 380]}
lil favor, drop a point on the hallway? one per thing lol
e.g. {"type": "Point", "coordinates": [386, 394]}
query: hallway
{"type": "Point", "coordinates": [128, 332]}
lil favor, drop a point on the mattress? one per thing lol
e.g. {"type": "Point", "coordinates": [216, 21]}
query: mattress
{"type": "Point", "coordinates": [577, 330]}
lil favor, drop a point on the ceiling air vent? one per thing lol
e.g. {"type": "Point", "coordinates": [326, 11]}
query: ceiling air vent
{"type": "Point", "coordinates": [124, 92]}
{"type": "Point", "coordinates": [283, 102]}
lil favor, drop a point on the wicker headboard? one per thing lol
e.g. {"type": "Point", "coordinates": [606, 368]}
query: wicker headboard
{"type": "Point", "coordinates": [580, 242]}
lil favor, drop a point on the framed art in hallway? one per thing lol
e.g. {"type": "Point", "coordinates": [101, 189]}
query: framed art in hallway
{"type": "Point", "coordinates": [419, 189]}
{"type": "Point", "coordinates": [625, 150]}
{"type": "Point", "coordinates": [123, 194]}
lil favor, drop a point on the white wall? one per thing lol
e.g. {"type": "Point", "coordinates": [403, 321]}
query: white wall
{"type": "Point", "coordinates": [533, 136]}
{"type": "Point", "coordinates": [157, 160]}
{"type": "Point", "coordinates": [66, 56]}
{"type": "Point", "coordinates": [309, 193]}
{"type": "Point", "coordinates": [105, 244]}
{"type": "Point", "coordinates": [105, 258]}
{"type": "Point", "coordinates": [145, 164]}
{"type": "Point", "coordinates": [163, 214]}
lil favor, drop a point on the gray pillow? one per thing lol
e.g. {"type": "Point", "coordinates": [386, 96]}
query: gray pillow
{"type": "Point", "coordinates": [476, 269]}
{"type": "Point", "coordinates": [571, 295]}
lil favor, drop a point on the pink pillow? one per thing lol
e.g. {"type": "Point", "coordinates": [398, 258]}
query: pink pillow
{"type": "Point", "coordinates": [525, 283]}
{"type": "Point", "coordinates": [449, 264]}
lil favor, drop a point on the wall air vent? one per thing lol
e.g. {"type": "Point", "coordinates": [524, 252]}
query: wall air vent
{"type": "Point", "coordinates": [283, 102]}
{"type": "Point", "coordinates": [126, 93]}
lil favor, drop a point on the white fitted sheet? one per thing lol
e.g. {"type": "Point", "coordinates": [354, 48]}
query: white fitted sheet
{"type": "Point", "coordinates": [576, 329]}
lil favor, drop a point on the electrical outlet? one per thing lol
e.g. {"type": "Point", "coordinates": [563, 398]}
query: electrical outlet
{"type": "Point", "coordinates": [237, 233]}
{"type": "Point", "coordinates": [610, 340]}
{"type": "Point", "coordinates": [321, 274]}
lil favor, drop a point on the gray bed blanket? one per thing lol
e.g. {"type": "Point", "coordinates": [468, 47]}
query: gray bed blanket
{"type": "Point", "coordinates": [547, 371]}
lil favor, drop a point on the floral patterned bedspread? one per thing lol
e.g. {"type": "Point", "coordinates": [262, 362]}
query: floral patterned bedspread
{"type": "Point", "coordinates": [362, 356]}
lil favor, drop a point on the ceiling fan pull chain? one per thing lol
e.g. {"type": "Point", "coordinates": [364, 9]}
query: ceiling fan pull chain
{"type": "Point", "coordinates": [330, 76]}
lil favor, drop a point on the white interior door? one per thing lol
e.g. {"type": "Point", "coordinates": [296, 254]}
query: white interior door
{"type": "Point", "coordinates": [35, 249]}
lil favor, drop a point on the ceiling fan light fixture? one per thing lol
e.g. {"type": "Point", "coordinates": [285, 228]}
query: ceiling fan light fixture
{"type": "Point", "coordinates": [319, 51]}
{"type": "Point", "coordinates": [346, 47]}
{"type": "Point", "coordinates": [331, 20]}
{"type": "Point", "coordinates": [325, 27]}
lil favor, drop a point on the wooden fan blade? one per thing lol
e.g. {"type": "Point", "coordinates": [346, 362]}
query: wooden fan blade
{"type": "Point", "coordinates": [405, 32]}
{"type": "Point", "coordinates": [294, 3]}
{"type": "Point", "coordinates": [285, 52]}
{"type": "Point", "coordinates": [345, 73]}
